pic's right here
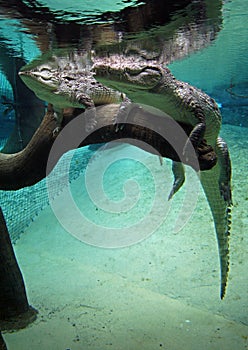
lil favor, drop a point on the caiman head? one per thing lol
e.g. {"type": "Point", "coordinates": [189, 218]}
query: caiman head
{"type": "Point", "coordinates": [42, 79]}
{"type": "Point", "coordinates": [48, 73]}
{"type": "Point", "coordinates": [42, 76]}
{"type": "Point", "coordinates": [127, 73]}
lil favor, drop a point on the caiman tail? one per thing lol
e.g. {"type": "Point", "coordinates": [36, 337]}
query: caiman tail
{"type": "Point", "coordinates": [217, 187]}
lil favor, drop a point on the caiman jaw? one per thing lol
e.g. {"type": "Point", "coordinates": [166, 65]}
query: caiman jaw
{"type": "Point", "coordinates": [44, 76]}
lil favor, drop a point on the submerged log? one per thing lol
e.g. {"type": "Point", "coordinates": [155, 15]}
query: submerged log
{"type": "Point", "coordinates": [142, 129]}
{"type": "Point", "coordinates": [15, 312]}
{"type": "Point", "coordinates": [151, 131]}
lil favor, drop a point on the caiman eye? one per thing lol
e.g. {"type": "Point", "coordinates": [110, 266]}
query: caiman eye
{"type": "Point", "coordinates": [45, 74]}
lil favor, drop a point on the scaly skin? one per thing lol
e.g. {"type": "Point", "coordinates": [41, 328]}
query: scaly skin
{"type": "Point", "coordinates": [67, 81]}
{"type": "Point", "coordinates": [151, 84]}
{"type": "Point", "coordinates": [216, 183]}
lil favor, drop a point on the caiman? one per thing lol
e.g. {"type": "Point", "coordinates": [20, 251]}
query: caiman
{"type": "Point", "coordinates": [147, 82]}
{"type": "Point", "coordinates": [67, 81]}
{"type": "Point", "coordinates": [110, 80]}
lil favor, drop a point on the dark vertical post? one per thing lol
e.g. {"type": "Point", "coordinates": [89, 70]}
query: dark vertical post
{"type": "Point", "coordinates": [15, 311]}
{"type": "Point", "coordinates": [2, 343]}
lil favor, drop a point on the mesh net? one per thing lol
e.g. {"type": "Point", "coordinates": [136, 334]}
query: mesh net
{"type": "Point", "coordinates": [7, 113]}
{"type": "Point", "coordinates": [21, 207]}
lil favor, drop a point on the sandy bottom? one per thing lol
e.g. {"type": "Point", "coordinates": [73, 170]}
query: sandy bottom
{"type": "Point", "coordinates": [160, 293]}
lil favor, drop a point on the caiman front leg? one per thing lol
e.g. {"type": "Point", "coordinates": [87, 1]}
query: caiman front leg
{"type": "Point", "coordinates": [90, 111]}
{"type": "Point", "coordinates": [195, 137]}
{"type": "Point", "coordinates": [197, 134]}
{"type": "Point", "coordinates": [121, 117]}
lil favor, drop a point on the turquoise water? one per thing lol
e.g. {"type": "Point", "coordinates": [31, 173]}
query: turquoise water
{"type": "Point", "coordinates": [224, 62]}
{"type": "Point", "coordinates": [221, 69]}
{"type": "Point", "coordinates": [162, 289]}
